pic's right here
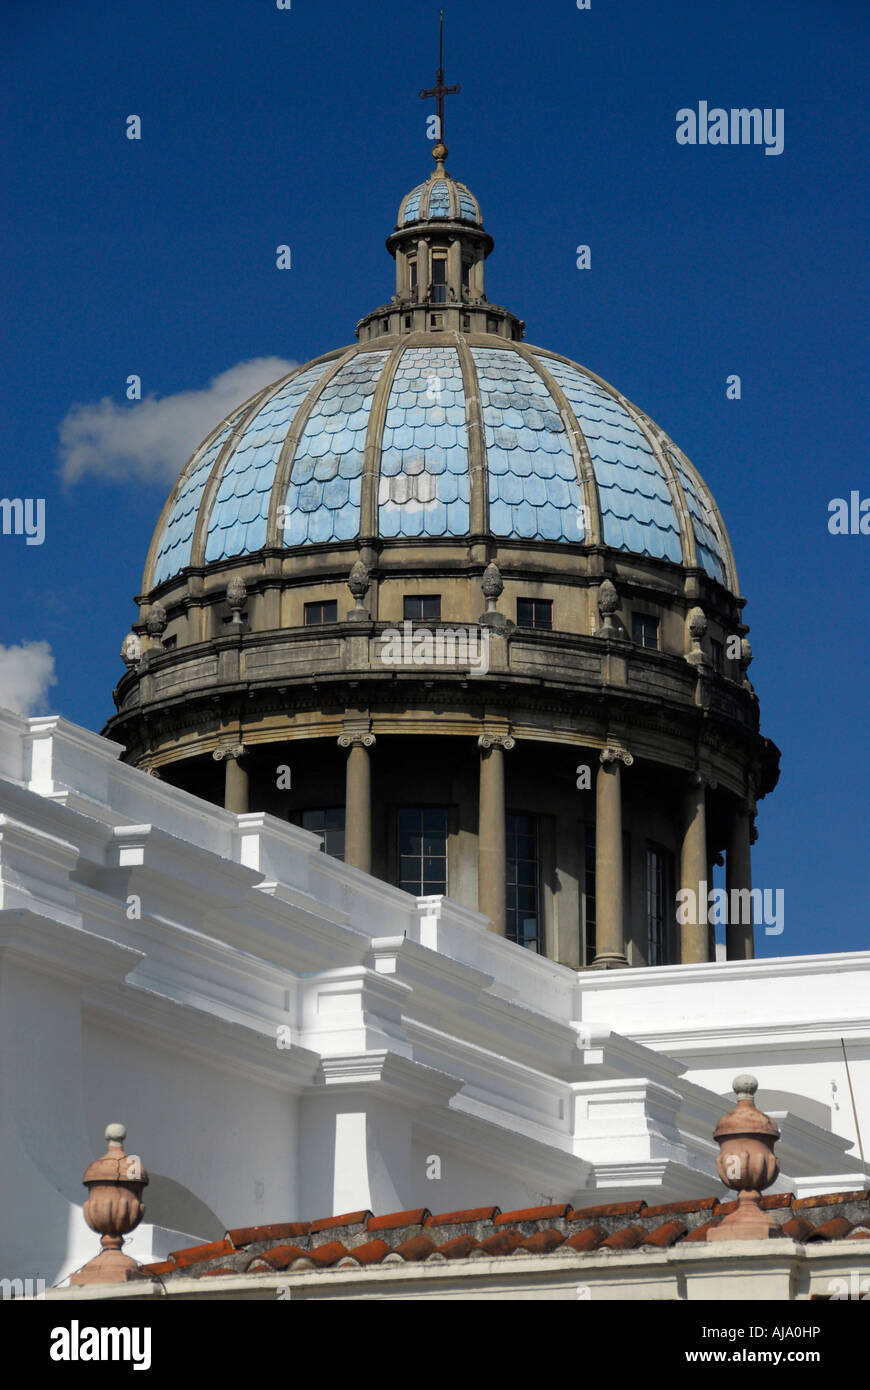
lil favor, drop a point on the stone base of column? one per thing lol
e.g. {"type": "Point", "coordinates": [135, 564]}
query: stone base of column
{"type": "Point", "coordinates": [609, 963]}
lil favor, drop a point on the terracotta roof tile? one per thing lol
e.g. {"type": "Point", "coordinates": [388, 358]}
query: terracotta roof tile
{"type": "Point", "coordinates": [542, 1242]}
{"type": "Point", "coordinates": [533, 1214]}
{"type": "Point", "coordinates": [279, 1257]}
{"type": "Point", "coordinates": [588, 1239]}
{"type": "Point", "coordinates": [398, 1219]}
{"type": "Point", "coordinates": [251, 1235]}
{"type": "Point", "coordinates": [667, 1234]}
{"type": "Point", "coordinates": [371, 1253]}
{"type": "Point", "coordinates": [358, 1239]}
{"type": "Point", "coordinates": [830, 1199]}
{"type": "Point", "coordinates": [700, 1232]}
{"type": "Point", "coordinates": [459, 1248]}
{"type": "Point", "coordinates": [502, 1243]}
{"type": "Point", "coordinates": [625, 1239]}
{"type": "Point", "coordinates": [797, 1228]}
{"type": "Point", "coordinates": [417, 1248]}
{"type": "Point", "coordinates": [613, 1209]}
{"type": "Point", "coordinates": [325, 1255]}
{"type": "Point", "coordinates": [459, 1218]}
{"type": "Point", "coordinates": [194, 1254]}
{"type": "Point", "coordinates": [353, 1218]}
{"type": "Point", "coordinates": [835, 1229]}
{"type": "Point", "coordinates": [682, 1208]}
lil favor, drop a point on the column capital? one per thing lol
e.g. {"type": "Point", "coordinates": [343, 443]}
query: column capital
{"type": "Point", "coordinates": [491, 740]}
{"type": "Point", "coordinates": [231, 750]}
{"type": "Point", "coordinates": [365, 740]}
{"type": "Point", "coordinates": [610, 754]}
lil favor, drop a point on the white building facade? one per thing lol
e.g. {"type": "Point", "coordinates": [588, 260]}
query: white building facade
{"type": "Point", "coordinates": [287, 1037]}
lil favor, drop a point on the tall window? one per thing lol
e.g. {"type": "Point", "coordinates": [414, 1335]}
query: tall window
{"type": "Point", "coordinates": [466, 274]}
{"type": "Point", "coordinates": [659, 873]}
{"type": "Point", "coordinates": [413, 268]}
{"type": "Point", "coordinates": [589, 890]}
{"type": "Point", "coordinates": [422, 849]}
{"type": "Point", "coordinates": [645, 629]}
{"type": "Point", "coordinates": [716, 655]}
{"type": "Point", "coordinates": [422, 607]}
{"type": "Point", "coordinates": [439, 279]}
{"type": "Point", "coordinates": [534, 612]}
{"type": "Point", "coordinates": [319, 613]}
{"type": "Point", "coordinates": [523, 882]}
{"type": "Point", "coordinates": [329, 823]}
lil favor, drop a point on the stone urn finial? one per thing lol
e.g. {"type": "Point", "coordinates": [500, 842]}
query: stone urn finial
{"type": "Point", "coordinates": [114, 1207]}
{"type": "Point", "coordinates": [608, 602]}
{"type": "Point", "coordinates": [237, 597]}
{"type": "Point", "coordinates": [697, 630]}
{"type": "Point", "coordinates": [747, 1164]}
{"type": "Point", "coordinates": [131, 650]}
{"type": "Point", "coordinates": [745, 662]}
{"type": "Point", "coordinates": [156, 622]}
{"type": "Point", "coordinates": [359, 581]}
{"type": "Point", "coordinates": [492, 586]}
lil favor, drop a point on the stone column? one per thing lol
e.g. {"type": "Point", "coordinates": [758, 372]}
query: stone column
{"type": "Point", "coordinates": [609, 872]}
{"type": "Point", "coordinates": [738, 876]}
{"type": "Point", "coordinates": [492, 834]}
{"type": "Point", "coordinates": [694, 936]}
{"type": "Point", "coordinates": [236, 779]}
{"type": "Point", "coordinates": [423, 270]}
{"type": "Point", "coordinates": [358, 800]}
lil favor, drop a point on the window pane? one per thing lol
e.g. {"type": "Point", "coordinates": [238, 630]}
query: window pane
{"type": "Point", "coordinates": [422, 849]}
{"type": "Point", "coordinates": [328, 822]}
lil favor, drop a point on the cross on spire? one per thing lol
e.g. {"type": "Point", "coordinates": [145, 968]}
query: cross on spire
{"type": "Point", "coordinates": [440, 91]}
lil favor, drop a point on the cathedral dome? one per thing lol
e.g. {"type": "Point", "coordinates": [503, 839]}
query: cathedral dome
{"type": "Point", "coordinates": [453, 602]}
{"type": "Point", "coordinates": [383, 442]}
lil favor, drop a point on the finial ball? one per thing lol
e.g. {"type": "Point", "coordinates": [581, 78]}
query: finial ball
{"type": "Point", "coordinates": [744, 1085]}
{"type": "Point", "coordinates": [118, 1133]}
{"type": "Point", "coordinates": [439, 152]}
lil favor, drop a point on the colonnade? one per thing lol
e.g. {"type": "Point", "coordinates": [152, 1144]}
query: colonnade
{"type": "Point", "coordinates": [612, 927]}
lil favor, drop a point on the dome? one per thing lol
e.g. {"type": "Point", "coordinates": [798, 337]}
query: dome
{"type": "Point", "coordinates": [439, 197]}
{"type": "Point", "coordinates": [566, 460]}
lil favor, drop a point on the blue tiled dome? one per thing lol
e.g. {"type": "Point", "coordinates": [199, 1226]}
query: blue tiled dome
{"type": "Point", "coordinates": [440, 196]}
{"type": "Point", "coordinates": [566, 460]}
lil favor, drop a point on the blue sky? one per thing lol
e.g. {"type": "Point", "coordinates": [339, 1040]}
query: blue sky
{"type": "Point", "coordinates": [262, 126]}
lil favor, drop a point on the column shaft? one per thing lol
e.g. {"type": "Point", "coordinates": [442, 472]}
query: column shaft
{"type": "Point", "coordinates": [694, 935]}
{"type": "Point", "coordinates": [738, 877]}
{"type": "Point", "coordinates": [609, 892]}
{"type": "Point", "coordinates": [358, 808]}
{"type": "Point", "coordinates": [236, 785]}
{"type": "Point", "coordinates": [492, 840]}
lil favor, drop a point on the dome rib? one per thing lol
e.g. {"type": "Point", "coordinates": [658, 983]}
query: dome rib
{"type": "Point", "coordinates": [478, 492]}
{"type": "Point", "coordinates": [287, 456]}
{"type": "Point", "coordinates": [371, 475]}
{"type": "Point", "coordinates": [579, 447]}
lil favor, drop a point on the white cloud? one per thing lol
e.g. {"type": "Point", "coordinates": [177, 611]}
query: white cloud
{"type": "Point", "coordinates": [26, 672]}
{"type": "Point", "coordinates": [151, 440]}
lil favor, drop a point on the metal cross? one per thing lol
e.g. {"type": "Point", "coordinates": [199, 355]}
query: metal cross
{"type": "Point", "coordinates": [439, 91]}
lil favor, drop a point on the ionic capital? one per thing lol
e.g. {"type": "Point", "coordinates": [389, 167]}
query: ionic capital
{"type": "Point", "coordinates": [612, 755]}
{"type": "Point", "coordinates": [363, 739]}
{"type": "Point", "coordinates": [505, 741]}
{"type": "Point", "coordinates": [231, 750]}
